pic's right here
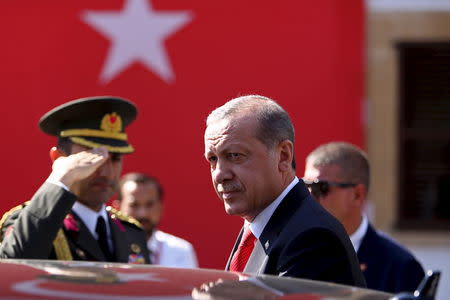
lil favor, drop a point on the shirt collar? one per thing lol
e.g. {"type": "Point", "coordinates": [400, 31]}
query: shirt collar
{"type": "Point", "coordinates": [152, 242]}
{"type": "Point", "coordinates": [261, 220]}
{"type": "Point", "coordinates": [89, 217]}
{"type": "Point", "coordinates": [359, 234]}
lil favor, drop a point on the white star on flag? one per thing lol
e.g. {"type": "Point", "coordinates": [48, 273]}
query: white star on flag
{"type": "Point", "coordinates": [137, 34]}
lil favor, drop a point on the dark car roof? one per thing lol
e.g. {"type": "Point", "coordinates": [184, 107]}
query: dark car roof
{"type": "Point", "coordinates": [46, 279]}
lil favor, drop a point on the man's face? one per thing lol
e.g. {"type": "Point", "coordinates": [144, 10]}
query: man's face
{"type": "Point", "coordinates": [338, 201]}
{"type": "Point", "coordinates": [98, 188]}
{"type": "Point", "coordinates": [244, 172]}
{"type": "Point", "coordinates": [141, 201]}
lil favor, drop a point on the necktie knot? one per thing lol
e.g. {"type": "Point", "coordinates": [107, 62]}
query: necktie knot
{"type": "Point", "coordinates": [247, 238]}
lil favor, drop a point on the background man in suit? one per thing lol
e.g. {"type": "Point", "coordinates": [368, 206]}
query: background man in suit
{"type": "Point", "coordinates": [338, 176]}
{"type": "Point", "coordinates": [249, 144]}
{"type": "Point", "coordinates": [67, 217]}
{"type": "Point", "coordinates": [141, 197]}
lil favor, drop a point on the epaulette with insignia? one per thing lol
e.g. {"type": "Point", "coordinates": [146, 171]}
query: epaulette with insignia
{"type": "Point", "coordinates": [7, 214]}
{"type": "Point", "coordinates": [121, 216]}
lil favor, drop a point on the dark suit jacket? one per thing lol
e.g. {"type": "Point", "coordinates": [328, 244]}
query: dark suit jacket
{"type": "Point", "coordinates": [38, 230]}
{"type": "Point", "coordinates": [386, 265]}
{"type": "Point", "coordinates": [303, 240]}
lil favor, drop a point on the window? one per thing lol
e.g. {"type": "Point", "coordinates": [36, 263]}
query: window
{"type": "Point", "coordinates": [424, 137]}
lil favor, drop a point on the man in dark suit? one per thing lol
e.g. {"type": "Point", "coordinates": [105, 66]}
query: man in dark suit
{"type": "Point", "coordinates": [338, 175]}
{"type": "Point", "coordinates": [67, 217]}
{"type": "Point", "coordinates": [249, 144]}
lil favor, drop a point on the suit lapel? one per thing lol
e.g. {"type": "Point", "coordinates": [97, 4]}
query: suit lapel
{"type": "Point", "coordinates": [257, 259]}
{"type": "Point", "coordinates": [365, 249]}
{"type": "Point", "coordinates": [281, 216]}
{"type": "Point", "coordinates": [236, 244]}
{"type": "Point", "coordinates": [87, 242]}
{"type": "Point", "coordinates": [121, 250]}
{"type": "Point", "coordinates": [260, 254]}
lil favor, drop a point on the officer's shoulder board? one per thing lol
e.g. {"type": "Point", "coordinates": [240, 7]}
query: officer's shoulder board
{"type": "Point", "coordinates": [10, 212]}
{"type": "Point", "coordinates": [122, 217]}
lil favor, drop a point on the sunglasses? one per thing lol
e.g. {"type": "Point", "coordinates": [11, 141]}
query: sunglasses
{"type": "Point", "coordinates": [321, 188]}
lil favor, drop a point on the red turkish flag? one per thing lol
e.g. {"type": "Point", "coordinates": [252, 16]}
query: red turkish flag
{"type": "Point", "coordinates": [178, 60]}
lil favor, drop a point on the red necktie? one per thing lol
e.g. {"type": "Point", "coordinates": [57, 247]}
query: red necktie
{"type": "Point", "coordinates": [243, 251]}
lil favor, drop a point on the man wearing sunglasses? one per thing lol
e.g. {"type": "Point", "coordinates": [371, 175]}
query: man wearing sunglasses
{"type": "Point", "coordinates": [338, 176]}
{"type": "Point", "coordinates": [249, 145]}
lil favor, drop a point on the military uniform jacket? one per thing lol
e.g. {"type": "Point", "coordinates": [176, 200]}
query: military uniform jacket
{"type": "Point", "coordinates": [46, 228]}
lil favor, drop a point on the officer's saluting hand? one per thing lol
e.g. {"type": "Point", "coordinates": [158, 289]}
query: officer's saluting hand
{"type": "Point", "coordinates": [67, 217]}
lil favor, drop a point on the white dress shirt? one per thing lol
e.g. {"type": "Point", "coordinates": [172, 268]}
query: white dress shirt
{"type": "Point", "coordinates": [89, 218]}
{"type": "Point", "coordinates": [171, 251]}
{"type": "Point", "coordinates": [359, 234]}
{"type": "Point", "coordinates": [261, 220]}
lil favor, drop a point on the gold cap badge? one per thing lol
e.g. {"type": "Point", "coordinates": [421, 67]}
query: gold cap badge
{"type": "Point", "coordinates": [135, 248]}
{"type": "Point", "coordinates": [111, 123]}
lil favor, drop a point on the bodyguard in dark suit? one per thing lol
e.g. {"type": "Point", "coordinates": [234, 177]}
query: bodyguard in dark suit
{"type": "Point", "coordinates": [249, 143]}
{"type": "Point", "coordinates": [67, 217]}
{"type": "Point", "coordinates": [338, 175]}
{"type": "Point", "coordinates": [392, 267]}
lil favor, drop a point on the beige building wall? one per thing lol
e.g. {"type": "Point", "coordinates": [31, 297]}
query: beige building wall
{"type": "Point", "coordinates": [388, 22]}
{"type": "Point", "coordinates": [384, 29]}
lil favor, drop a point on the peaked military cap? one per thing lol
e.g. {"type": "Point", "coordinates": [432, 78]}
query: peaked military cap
{"type": "Point", "coordinates": [92, 122]}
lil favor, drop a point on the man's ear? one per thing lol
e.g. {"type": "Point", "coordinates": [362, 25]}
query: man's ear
{"type": "Point", "coordinates": [55, 153]}
{"type": "Point", "coordinates": [286, 155]}
{"type": "Point", "coordinates": [360, 194]}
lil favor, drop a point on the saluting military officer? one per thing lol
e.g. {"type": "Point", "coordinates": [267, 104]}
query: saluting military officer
{"type": "Point", "coordinates": [67, 217]}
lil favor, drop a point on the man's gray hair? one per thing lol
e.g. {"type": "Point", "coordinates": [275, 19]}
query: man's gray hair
{"type": "Point", "coordinates": [353, 162]}
{"type": "Point", "coordinates": [274, 123]}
